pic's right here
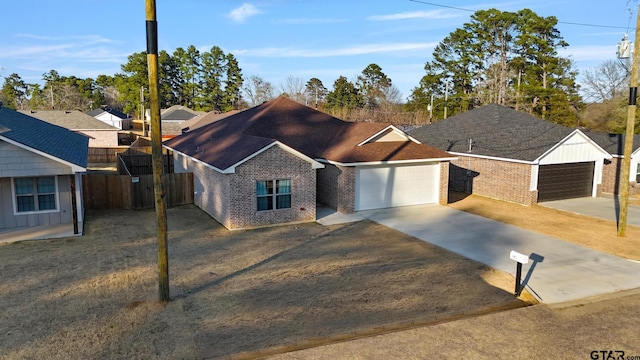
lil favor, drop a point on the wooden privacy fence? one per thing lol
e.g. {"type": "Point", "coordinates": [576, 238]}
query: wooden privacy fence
{"type": "Point", "coordinates": [134, 192]}
{"type": "Point", "coordinates": [104, 155]}
{"type": "Point", "coordinates": [138, 161]}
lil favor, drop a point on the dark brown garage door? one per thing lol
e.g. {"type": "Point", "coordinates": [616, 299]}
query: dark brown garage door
{"type": "Point", "coordinates": [565, 181]}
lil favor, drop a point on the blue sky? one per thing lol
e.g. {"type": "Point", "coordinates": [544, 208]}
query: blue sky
{"type": "Point", "coordinates": [274, 39]}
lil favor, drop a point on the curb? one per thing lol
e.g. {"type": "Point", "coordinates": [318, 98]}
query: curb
{"type": "Point", "coordinates": [524, 300]}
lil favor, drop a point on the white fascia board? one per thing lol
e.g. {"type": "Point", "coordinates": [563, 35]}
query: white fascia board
{"type": "Point", "coordinates": [392, 127]}
{"type": "Point", "coordinates": [633, 154]}
{"type": "Point", "coordinates": [581, 134]}
{"type": "Point", "coordinates": [226, 171]}
{"type": "Point", "coordinates": [394, 162]}
{"type": "Point", "coordinates": [492, 158]}
{"type": "Point", "coordinates": [74, 168]}
{"type": "Point", "coordinates": [232, 169]}
{"type": "Point", "coordinates": [413, 139]}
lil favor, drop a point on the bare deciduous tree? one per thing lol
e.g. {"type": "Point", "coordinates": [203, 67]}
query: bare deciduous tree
{"type": "Point", "coordinates": [258, 90]}
{"type": "Point", "coordinates": [294, 88]}
{"type": "Point", "coordinates": [606, 81]}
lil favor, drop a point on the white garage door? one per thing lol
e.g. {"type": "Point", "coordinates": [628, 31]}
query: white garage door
{"type": "Point", "coordinates": [380, 187]}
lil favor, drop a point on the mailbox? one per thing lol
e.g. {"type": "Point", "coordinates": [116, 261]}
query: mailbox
{"type": "Point", "coordinates": [516, 256]}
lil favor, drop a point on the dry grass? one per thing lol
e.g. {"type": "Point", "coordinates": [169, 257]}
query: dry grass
{"type": "Point", "coordinates": [588, 231]}
{"type": "Point", "coordinates": [94, 297]}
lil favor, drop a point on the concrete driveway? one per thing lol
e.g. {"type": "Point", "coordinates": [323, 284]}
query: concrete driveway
{"type": "Point", "coordinates": [601, 207]}
{"type": "Point", "coordinates": [557, 271]}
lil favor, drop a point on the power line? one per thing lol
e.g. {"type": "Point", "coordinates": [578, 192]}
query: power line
{"type": "Point", "coordinates": [559, 22]}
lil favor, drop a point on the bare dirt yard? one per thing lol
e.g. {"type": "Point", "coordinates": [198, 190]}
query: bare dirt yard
{"type": "Point", "coordinates": [251, 293]}
{"type": "Point", "coordinates": [588, 231]}
{"type": "Point", "coordinates": [233, 293]}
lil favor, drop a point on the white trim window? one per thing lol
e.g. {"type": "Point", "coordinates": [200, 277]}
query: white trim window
{"type": "Point", "coordinates": [273, 194]}
{"type": "Point", "coordinates": [35, 194]}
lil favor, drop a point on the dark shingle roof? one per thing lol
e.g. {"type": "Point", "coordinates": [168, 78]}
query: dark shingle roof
{"type": "Point", "coordinates": [70, 119]}
{"type": "Point", "coordinates": [613, 143]}
{"type": "Point", "coordinates": [43, 136]}
{"type": "Point", "coordinates": [113, 112]}
{"type": "Point", "coordinates": [178, 113]}
{"type": "Point", "coordinates": [496, 131]}
{"type": "Point", "coordinates": [315, 134]}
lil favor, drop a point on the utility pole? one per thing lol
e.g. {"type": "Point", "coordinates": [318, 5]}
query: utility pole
{"type": "Point", "coordinates": [628, 139]}
{"type": "Point", "coordinates": [156, 151]}
{"type": "Point", "coordinates": [446, 97]}
{"type": "Point", "coordinates": [145, 129]}
{"type": "Point", "coordinates": [431, 110]}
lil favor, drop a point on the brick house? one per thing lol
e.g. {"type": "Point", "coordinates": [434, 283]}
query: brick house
{"type": "Point", "coordinates": [273, 163]}
{"type": "Point", "coordinates": [41, 168]}
{"type": "Point", "coordinates": [100, 134]}
{"type": "Point", "coordinates": [614, 144]}
{"type": "Point", "coordinates": [509, 155]}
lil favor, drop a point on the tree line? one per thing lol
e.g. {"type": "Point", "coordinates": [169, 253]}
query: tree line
{"type": "Point", "coordinates": [508, 58]}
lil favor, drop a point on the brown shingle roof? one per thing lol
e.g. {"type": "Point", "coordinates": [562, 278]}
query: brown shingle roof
{"type": "Point", "coordinates": [317, 135]}
{"type": "Point", "coordinates": [205, 119]}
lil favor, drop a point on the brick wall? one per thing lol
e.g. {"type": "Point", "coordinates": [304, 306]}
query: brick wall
{"type": "Point", "coordinates": [211, 189]}
{"type": "Point", "coordinates": [274, 163]}
{"type": "Point", "coordinates": [610, 177]}
{"type": "Point", "coordinates": [101, 138]}
{"type": "Point", "coordinates": [502, 180]}
{"type": "Point", "coordinates": [231, 199]}
{"type": "Point", "coordinates": [337, 187]}
{"type": "Point", "coordinates": [443, 196]}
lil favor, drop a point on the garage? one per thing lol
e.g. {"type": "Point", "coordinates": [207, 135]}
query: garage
{"type": "Point", "coordinates": [380, 187]}
{"type": "Point", "coordinates": [565, 181]}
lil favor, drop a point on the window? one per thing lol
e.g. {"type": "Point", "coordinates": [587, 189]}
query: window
{"type": "Point", "coordinates": [35, 194]}
{"type": "Point", "coordinates": [273, 194]}
{"type": "Point", "coordinates": [638, 174]}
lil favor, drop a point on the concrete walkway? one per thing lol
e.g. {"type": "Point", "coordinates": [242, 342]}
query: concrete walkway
{"type": "Point", "coordinates": [557, 271]}
{"type": "Point", "coordinates": [607, 208]}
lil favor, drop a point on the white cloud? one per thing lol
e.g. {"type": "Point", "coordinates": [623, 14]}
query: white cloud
{"type": "Point", "coordinates": [434, 14]}
{"type": "Point", "coordinates": [243, 12]}
{"type": "Point", "coordinates": [346, 51]}
{"type": "Point", "coordinates": [18, 52]}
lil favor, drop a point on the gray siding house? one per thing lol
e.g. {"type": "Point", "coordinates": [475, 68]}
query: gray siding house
{"type": "Point", "coordinates": [40, 178]}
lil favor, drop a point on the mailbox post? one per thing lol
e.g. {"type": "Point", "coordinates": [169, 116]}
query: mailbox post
{"type": "Point", "coordinates": [519, 259]}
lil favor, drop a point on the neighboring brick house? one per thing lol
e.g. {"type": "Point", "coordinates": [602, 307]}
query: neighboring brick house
{"type": "Point", "coordinates": [41, 165]}
{"type": "Point", "coordinates": [173, 117]}
{"type": "Point", "coordinates": [99, 133]}
{"type": "Point", "coordinates": [509, 155]}
{"type": "Point", "coordinates": [272, 163]}
{"type": "Point", "coordinates": [614, 144]}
